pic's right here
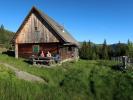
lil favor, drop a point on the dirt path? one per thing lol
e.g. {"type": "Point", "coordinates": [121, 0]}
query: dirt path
{"type": "Point", "coordinates": [24, 75]}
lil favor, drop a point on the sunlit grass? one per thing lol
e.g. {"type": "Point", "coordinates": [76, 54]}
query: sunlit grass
{"type": "Point", "coordinates": [82, 80]}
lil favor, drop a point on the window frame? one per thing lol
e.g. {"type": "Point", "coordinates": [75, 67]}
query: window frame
{"type": "Point", "coordinates": [33, 48]}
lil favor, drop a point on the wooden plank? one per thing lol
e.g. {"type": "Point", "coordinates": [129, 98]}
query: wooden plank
{"type": "Point", "coordinates": [28, 33]}
{"type": "Point", "coordinates": [16, 51]}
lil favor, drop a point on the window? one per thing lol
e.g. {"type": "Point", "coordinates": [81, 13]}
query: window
{"type": "Point", "coordinates": [36, 48]}
{"type": "Point", "coordinates": [69, 48]}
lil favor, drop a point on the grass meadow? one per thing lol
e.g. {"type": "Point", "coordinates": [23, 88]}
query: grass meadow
{"type": "Point", "coordinates": [82, 80]}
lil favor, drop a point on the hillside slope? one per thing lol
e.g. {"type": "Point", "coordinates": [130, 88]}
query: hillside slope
{"type": "Point", "coordinates": [5, 36]}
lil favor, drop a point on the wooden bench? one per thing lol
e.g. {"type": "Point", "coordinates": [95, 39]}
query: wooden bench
{"type": "Point", "coordinates": [42, 60]}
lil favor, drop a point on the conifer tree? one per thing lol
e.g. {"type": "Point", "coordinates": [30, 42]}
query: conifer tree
{"type": "Point", "coordinates": [104, 50]}
{"type": "Point", "coordinates": [2, 27]}
{"type": "Point", "coordinates": [84, 51]}
{"type": "Point", "coordinates": [130, 48]}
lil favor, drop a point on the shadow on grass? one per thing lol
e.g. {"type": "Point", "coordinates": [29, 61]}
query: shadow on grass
{"type": "Point", "coordinates": [10, 53]}
{"type": "Point", "coordinates": [28, 62]}
{"type": "Point", "coordinates": [118, 67]}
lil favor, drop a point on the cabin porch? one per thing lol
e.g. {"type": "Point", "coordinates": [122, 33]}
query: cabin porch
{"type": "Point", "coordinates": [27, 50]}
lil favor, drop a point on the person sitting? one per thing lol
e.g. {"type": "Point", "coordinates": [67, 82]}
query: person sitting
{"type": "Point", "coordinates": [48, 54]}
{"type": "Point", "coordinates": [42, 54]}
{"type": "Point", "coordinates": [57, 58]}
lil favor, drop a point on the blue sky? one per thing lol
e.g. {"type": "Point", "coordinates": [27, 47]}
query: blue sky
{"type": "Point", "coordinates": [93, 20]}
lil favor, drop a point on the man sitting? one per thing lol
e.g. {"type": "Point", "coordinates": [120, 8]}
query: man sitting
{"type": "Point", "coordinates": [57, 58]}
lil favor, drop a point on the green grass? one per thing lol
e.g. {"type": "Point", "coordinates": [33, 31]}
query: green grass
{"type": "Point", "coordinates": [82, 80]}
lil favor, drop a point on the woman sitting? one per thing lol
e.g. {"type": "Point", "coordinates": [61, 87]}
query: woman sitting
{"type": "Point", "coordinates": [48, 54]}
{"type": "Point", "coordinates": [42, 54]}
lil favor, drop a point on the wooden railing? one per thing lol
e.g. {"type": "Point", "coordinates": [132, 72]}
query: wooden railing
{"type": "Point", "coordinates": [123, 60]}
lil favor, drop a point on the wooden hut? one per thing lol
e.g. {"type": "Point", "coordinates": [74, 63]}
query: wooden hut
{"type": "Point", "coordinates": [39, 32]}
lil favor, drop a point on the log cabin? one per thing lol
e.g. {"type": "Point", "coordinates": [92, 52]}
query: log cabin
{"type": "Point", "coordinates": [39, 32]}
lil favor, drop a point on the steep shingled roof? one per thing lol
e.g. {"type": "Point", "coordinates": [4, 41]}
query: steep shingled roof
{"type": "Point", "coordinates": [61, 31]}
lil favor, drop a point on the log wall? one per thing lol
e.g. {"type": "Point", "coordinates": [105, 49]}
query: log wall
{"type": "Point", "coordinates": [26, 50]}
{"type": "Point", "coordinates": [68, 52]}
